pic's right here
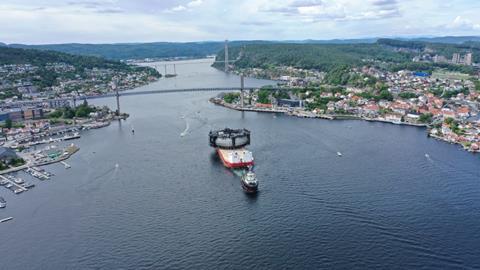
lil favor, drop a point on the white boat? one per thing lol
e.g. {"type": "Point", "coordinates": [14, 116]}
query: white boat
{"type": "Point", "coordinates": [18, 180]}
{"type": "Point", "coordinates": [249, 181]}
{"type": "Point", "coordinates": [339, 154]}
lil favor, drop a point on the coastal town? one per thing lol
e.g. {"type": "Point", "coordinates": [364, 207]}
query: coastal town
{"type": "Point", "coordinates": [33, 140]}
{"type": "Point", "coordinates": [29, 82]}
{"type": "Point", "coordinates": [446, 103]}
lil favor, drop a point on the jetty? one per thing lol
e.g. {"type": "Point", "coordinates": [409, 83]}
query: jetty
{"type": "Point", "coordinates": [67, 166]}
{"type": "Point", "coordinates": [18, 188]}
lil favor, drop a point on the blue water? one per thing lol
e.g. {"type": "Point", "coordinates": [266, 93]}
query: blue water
{"type": "Point", "coordinates": [170, 204]}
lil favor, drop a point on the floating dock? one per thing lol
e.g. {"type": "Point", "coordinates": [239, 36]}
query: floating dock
{"type": "Point", "coordinates": [6, 219]}
{"type": "Point", "coordinates": [18, 188]}
{"type": "Point", "coordinates": [67, 166]}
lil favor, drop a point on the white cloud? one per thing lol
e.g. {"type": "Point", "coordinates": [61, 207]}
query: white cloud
{"type": "Point", "coordinates": [342, 10]}
{"type": "Point", "coordinates": [195, 3]}
{"type": "Point", "coordinates": [54, 21]}
{"type": "Point", "coordinates": [188, 7]}
{"type": "Point", "coordinates": [464, 24]}
{"type": "Point", "coordinates": [178, 8]}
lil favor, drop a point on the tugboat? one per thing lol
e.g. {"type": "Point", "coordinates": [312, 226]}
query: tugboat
{"type": "Point", "coordinates": [230, 145]}
{"type": "Point", "coordinates": [250, 182]}
{"type": "Point", "coordinates": [3, 203]}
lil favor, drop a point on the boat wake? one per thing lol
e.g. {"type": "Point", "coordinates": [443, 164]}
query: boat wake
{"type": "Point", "coordinates": [187, 128]}
{"type": "Point", "coordinates": [193, 116]}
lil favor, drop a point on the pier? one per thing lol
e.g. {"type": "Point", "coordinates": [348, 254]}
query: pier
{"type": "Point", "coordinates": [67, 166]}
{"type": "Point", "coordinates": [18, 188]}
{"type": "Point", "coordinates": [38, 173]}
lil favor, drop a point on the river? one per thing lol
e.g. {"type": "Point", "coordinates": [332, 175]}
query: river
{"type": "Point", "coordinates": [157, 200]}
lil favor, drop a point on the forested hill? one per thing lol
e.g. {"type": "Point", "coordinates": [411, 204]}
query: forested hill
{"type": "Point", "coordinates": [444, 49]}
{"type": "Point", "coordinates": [141, 50]}
{"type": "Point", "coordinates": [123, 51]}
{"type": "Point", "coordinates": [41, 58]}
{"type": "Point", "coordinates": [313, 56]}
{"type": "Point", "coordinates": [394, 54]}
{"type": "Point", "coordinates": [133, 51]}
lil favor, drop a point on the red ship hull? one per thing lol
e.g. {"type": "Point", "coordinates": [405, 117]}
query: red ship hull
{"type": "Point", "coordinates": [230, 164]}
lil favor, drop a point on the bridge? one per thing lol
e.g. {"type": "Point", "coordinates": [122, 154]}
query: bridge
{"type": "Point", "coordinates": [117, 94]}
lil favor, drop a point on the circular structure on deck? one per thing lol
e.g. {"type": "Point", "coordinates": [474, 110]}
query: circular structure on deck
{"type": "Point", "coordinates": [229, 138]}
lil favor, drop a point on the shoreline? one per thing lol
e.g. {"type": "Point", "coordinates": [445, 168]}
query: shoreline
{"type": "Point", "coordinates": [338, 117]}
{"type": "Point", "coordinates": [312, 115]}
{"type": "Point", "coordinates": [69, 151]}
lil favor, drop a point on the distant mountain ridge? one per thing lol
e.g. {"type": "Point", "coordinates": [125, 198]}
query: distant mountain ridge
{"type": "Point", "coordinates": [123, 51]}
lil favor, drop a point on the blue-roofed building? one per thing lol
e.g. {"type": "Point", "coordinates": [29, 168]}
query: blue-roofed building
{"type": "Point", "coordinates": [420, 74]}
{"type": "Point", "coordinates": [7, 154]}
{"type": "Point", "coordinates": [289, 103]}
{"type": "Point", "coordinates": [3, 116]}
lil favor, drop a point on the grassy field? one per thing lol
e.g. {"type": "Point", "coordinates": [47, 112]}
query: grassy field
{"type": "Point", "coordinates": [442, 74]}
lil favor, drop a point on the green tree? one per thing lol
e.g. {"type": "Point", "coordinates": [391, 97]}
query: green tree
{"type": "Point", "coordinates": [407, 95]}
{"type": "Point", "coordinates": [231, 97]}
{"type": "Point", "coordinates": [8, 123]}
{"type": "Point", "coordinates": [425, 118]}
{"type": "Point", "coordinates": [263, 96]}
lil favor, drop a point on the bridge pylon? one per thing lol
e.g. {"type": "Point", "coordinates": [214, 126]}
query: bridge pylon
{"type": "Point", "coordinates": [117, 95]}
{"type": "Point", "coordinates": [242, 92]}
{"type": "Point", "coordinates": [226, 56]}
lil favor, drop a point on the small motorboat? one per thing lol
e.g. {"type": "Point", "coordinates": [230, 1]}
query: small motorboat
{"type": "Point", "coordinates": [250, 182]}
{"type": "Point", "coordinates": [3, 203]}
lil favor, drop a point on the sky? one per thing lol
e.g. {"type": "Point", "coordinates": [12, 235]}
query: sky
{"type": "Point", "coordinates": [114, 21]}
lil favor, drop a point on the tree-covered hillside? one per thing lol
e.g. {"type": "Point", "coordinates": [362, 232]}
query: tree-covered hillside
{"type": "Point", "coordinates": [140, 50]}
{"type": "Point", "coordinates": [39, 58]}
{"type": "Point", "coordinates": [388, 53]}
{"type": "Point", "coordinates": [322, 57]}
{"type": "Point", "coordinates": [444, 49]}
{"type": "Point", "coordinates": [67, 72]}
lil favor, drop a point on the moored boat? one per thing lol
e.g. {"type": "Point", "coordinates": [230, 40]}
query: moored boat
{"type": "Point", "coordinates": [3, 203]}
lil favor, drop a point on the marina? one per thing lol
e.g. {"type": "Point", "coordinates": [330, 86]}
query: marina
{"type": "Point", "coordinates": [16, 185]}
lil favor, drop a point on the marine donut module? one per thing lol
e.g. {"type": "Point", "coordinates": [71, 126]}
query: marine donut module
{"type": "Point", "coordinates": [230, 145]}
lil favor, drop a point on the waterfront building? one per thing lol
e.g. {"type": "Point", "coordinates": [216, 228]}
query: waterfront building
{"type": "Point", "coordinates": [58, 103]}
{"type": "Point", "coordinates": [15, 115]}
{"type": "Point", "coordinates": [290, 103]}
{"type": "Point", "coordinates": [7, 154]}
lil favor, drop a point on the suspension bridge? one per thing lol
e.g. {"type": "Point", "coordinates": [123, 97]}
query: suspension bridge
{"type": "Point", "coordinates": [117, 94]}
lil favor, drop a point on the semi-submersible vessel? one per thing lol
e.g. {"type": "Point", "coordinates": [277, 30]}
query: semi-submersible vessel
{"type": "Point", "coordinates": [230, 145]}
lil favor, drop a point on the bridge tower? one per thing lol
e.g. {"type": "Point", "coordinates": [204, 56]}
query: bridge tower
{"type": "Point", "coordinates": [226, 56]}
{"type": "Point", "coordinates": [117, 96]}
{"type": "Point", "coordinates": [242, 86]}
{"type": "Point", "coordinates": [74, 106]}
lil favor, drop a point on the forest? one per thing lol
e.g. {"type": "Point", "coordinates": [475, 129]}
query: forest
{"type": "Point", "coordinates": [388, 54]}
